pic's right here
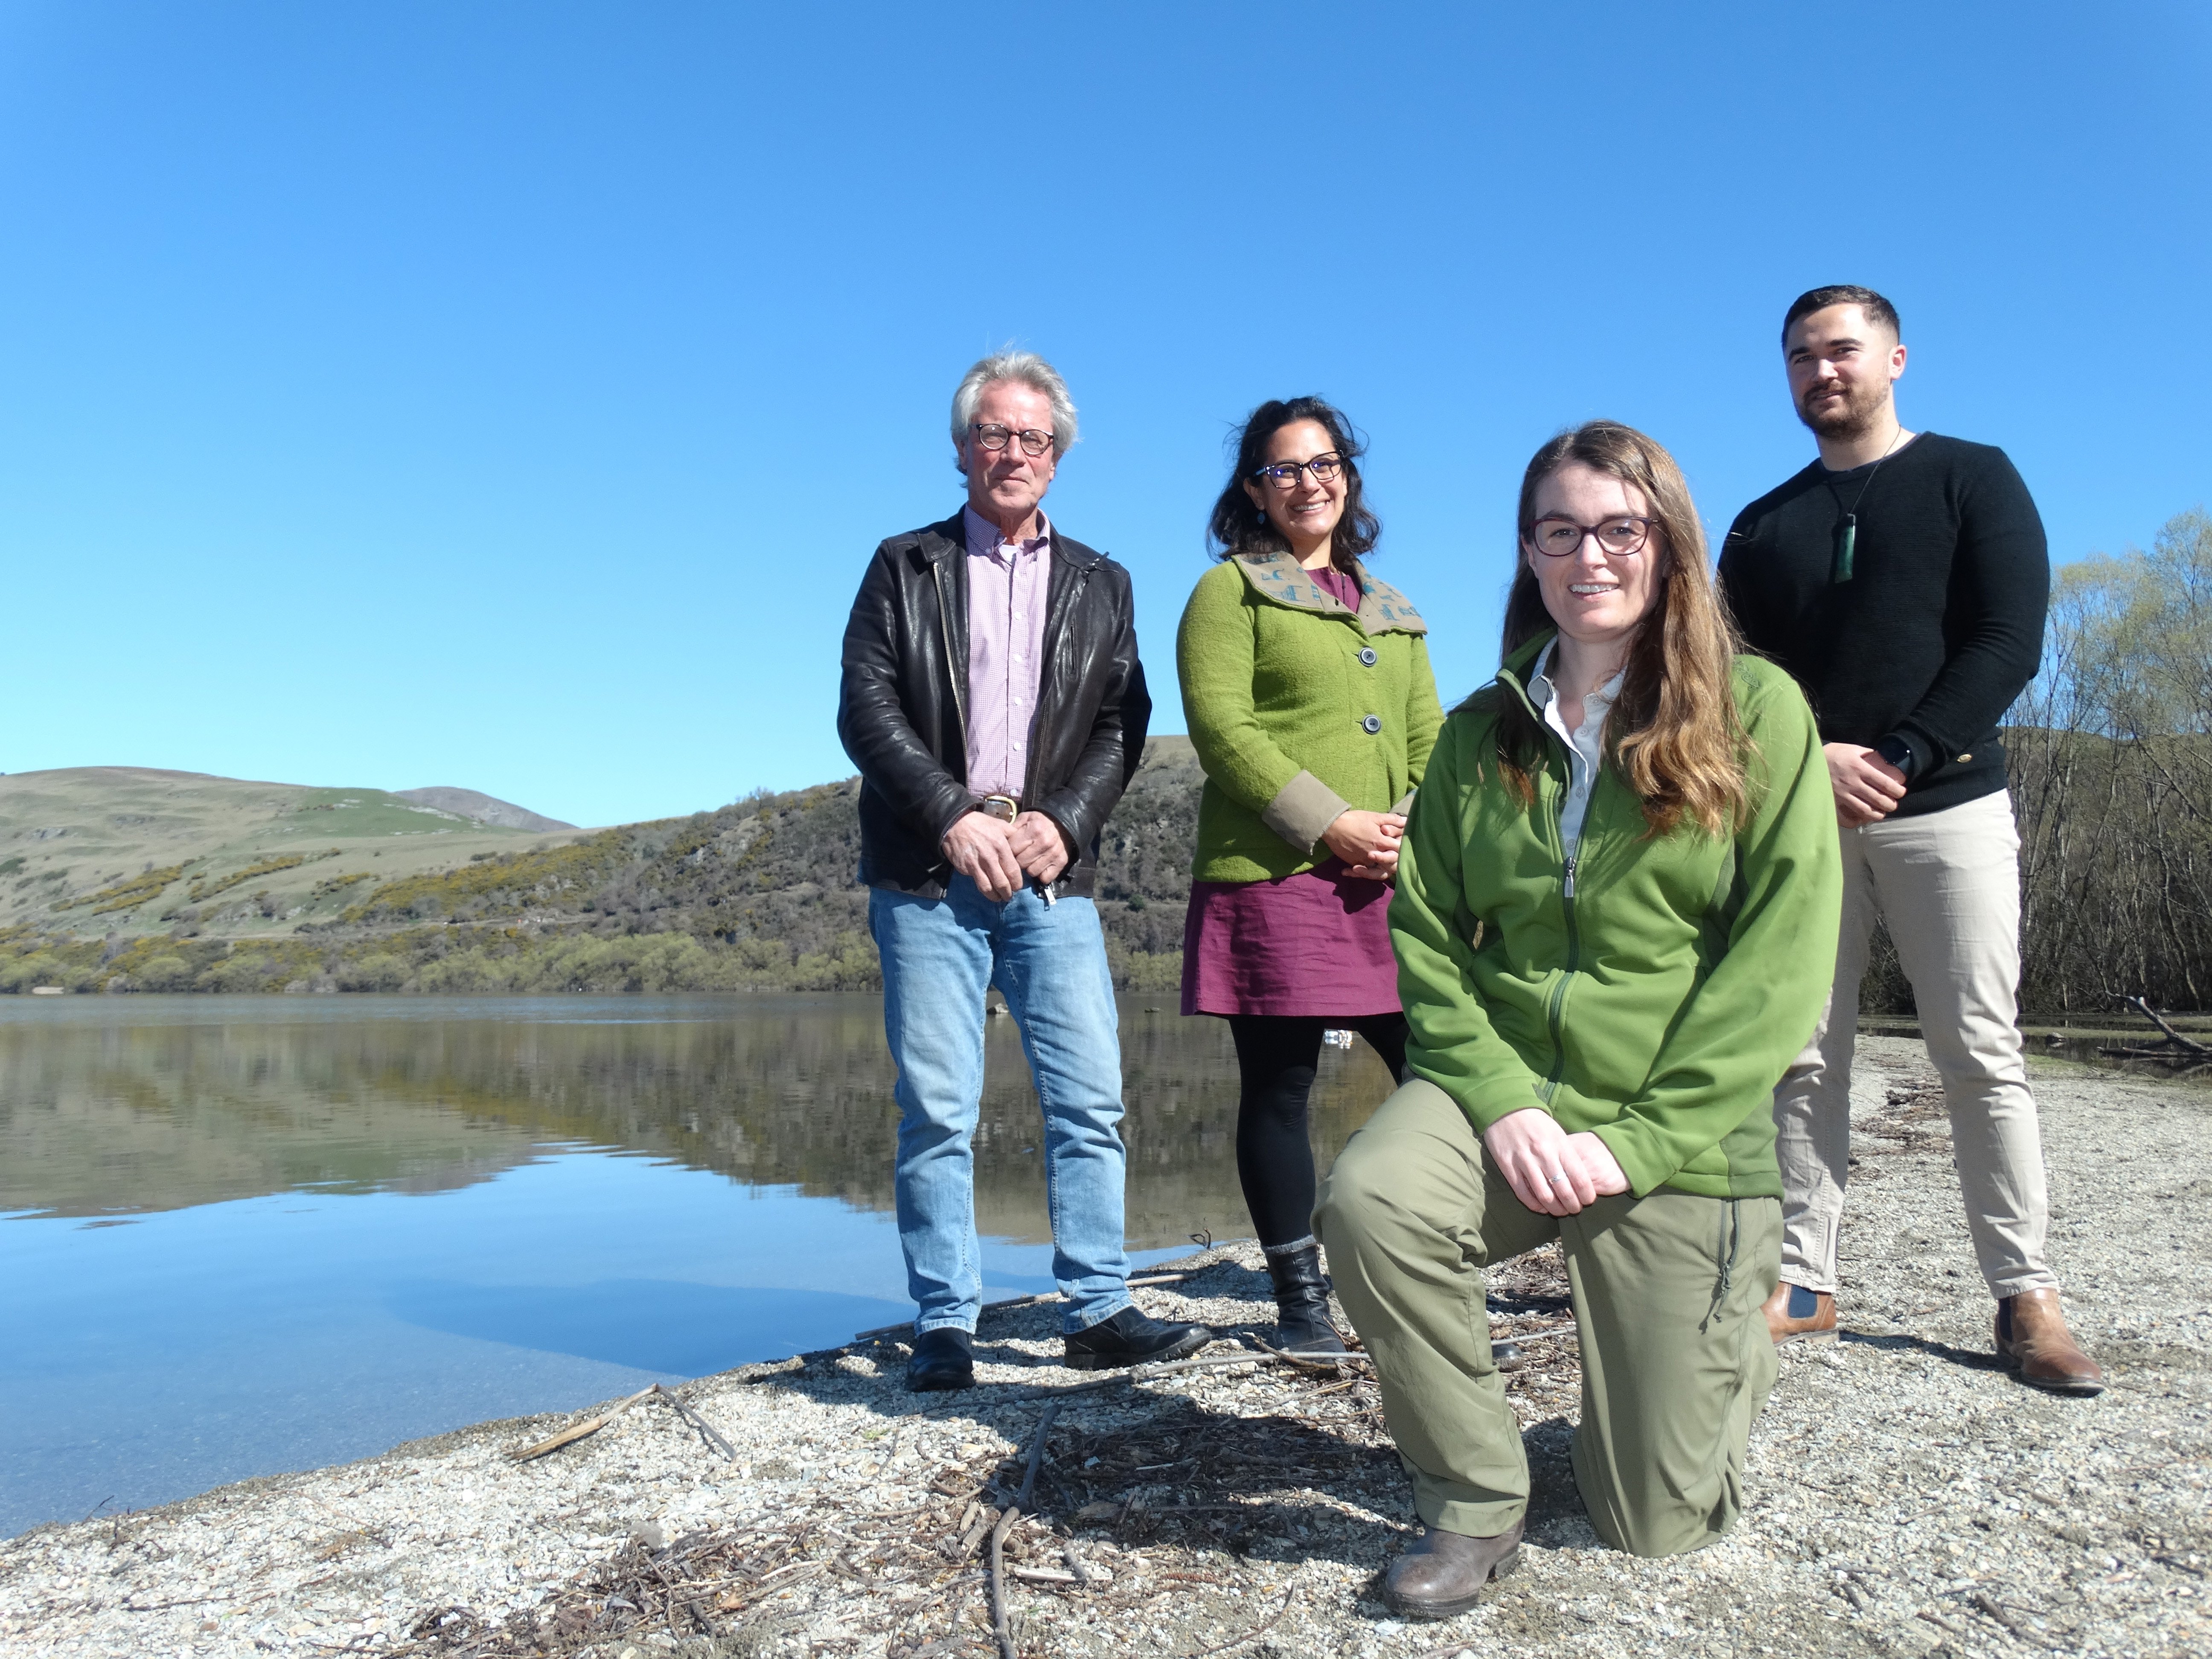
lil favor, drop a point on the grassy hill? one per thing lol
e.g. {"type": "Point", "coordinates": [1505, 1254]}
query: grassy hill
{"type": "Point", "coordinates": [118, 878]}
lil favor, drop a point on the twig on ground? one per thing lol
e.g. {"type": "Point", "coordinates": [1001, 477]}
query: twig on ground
{"type": "Point", "coordinates": [998, 1568]}
{"type": "Point", "coordinates": [1548, 1333]}
{"type": "Point", "coordinates": [999, 1627]}
{"type": "Point", "coordinates": [1083, 1574]}
{"type": "Point", "coordinates": [158, 1607]}
{"type": "Point", "coordinates": [705, 1428]}
{"type": "Point", "coordinates": [1312, 1362]}
{"type": "Point", "coordinates": [1256, 1631]}
{"type": "Point", "coordinates": [973, 1536]}
{"type": "Point", "coordinates": [1037, 1456]}
{"type": "Point", "coordinates": [1988, 1604]}
{"type": "Point", "coordinates": [553, 1443]}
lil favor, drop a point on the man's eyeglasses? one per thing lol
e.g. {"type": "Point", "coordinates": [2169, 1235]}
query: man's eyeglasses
{"type": "Point", "coordinates": [1284, 475]}
{"type": "Point", "coordinates": [1556, 535]}
{"type": "Point", "coordinates": [995, 438]}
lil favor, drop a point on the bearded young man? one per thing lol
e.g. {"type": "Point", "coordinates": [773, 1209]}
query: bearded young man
{"type": "Point", "coordinates": [1902, 579]}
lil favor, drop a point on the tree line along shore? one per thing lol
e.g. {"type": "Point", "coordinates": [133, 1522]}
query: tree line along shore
{"type": "Point", "coordinates": [2110, 757]}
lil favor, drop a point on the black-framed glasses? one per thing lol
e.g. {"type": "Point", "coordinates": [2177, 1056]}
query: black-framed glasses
{"type": "Point", "coordinates": [994, 438]}
{"type": "Point", "coordinates": [1284, 475]}
{"type": "Point", "coordinates": [1556, 535]}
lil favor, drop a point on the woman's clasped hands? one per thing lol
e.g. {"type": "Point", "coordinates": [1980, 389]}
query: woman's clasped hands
{"type": "Point", "coordinates": [1367, 842]}
{"type": "Point", "coordinates": [1551, 1171]}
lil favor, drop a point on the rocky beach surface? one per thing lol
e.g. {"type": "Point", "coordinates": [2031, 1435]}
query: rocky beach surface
{"type": "Point", "coordinates": [1907, 1495]}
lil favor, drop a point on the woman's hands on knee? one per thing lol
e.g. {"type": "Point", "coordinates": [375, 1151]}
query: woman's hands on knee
{"type": "Point", "coordinates": [1551, 1171]}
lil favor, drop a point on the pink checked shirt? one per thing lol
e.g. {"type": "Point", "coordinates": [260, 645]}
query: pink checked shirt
{"type": "Point", "coordinates": [1007, 582]}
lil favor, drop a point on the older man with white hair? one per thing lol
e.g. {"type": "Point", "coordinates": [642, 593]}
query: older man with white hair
{"type": "Point", "coordinates": [994, 701]}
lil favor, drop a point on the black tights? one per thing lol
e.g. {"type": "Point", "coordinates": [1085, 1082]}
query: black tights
{"type": "Point", "coordinates": [1276, 1057]}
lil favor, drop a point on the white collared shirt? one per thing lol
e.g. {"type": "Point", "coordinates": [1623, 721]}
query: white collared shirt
{"type": "Point", "coordinates": [1585, 744]}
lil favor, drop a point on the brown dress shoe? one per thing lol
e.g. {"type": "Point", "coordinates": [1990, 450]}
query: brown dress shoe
{"type": "Point", "coordinates": [1443, 1574]}
{"type": "Point", "coordinates": [1795, 1314]}
{"type": "Point", "coordinates": [2032, 1335]}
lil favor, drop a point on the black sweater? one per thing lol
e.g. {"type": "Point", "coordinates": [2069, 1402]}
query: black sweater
{"type": "Point", "coordinates": [1941, 624]}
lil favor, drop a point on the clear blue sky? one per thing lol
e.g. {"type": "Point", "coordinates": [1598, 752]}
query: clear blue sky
{"type": "Point", "coordinates": [509, 395]}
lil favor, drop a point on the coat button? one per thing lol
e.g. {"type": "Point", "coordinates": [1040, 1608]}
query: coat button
{"type": "Point", "coordinates": [1371, 725]}
{"type": "Point", "coordinates": [1367, 655]}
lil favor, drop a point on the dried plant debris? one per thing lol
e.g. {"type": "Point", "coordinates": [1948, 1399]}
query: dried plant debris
{"type": "Point", "coordinates": [1906, 1497]}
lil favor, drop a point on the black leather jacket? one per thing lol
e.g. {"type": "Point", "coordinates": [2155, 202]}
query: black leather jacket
{"type": "Point", "coordinates": [902, 705]}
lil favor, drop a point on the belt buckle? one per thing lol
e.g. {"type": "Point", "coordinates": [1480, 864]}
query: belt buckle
{"type": "Point", "coordinates": [1004, 807]}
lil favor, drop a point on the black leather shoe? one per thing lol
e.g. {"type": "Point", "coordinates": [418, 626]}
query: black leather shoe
{"type": "Point", "coordinates": [1130, 1339]}
{"type": "Point", "coordinates": [943, 1359]}
{"type": "Point", "coordinates": [1443, 1574]}
{"type": "Point", "coordinates": [1302, 1320]}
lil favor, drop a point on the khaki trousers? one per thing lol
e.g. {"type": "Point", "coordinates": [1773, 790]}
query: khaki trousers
{"type": "Point", "coordinates": [1948, 886]}
{"type": "Point", "coordinates": [1666, 1289]}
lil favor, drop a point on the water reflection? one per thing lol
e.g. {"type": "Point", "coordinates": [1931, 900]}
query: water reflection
{"type": "Point", "coordinates": [251, 1234]}
{"type": "Point", "coordinates": [110, 1107]}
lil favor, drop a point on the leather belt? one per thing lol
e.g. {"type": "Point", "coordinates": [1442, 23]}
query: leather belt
{"type": "Point", "coordinates": [1000, 806]}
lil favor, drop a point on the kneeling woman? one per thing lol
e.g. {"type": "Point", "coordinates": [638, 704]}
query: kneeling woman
{"type": "Point", "coordinates": [1617, 899]}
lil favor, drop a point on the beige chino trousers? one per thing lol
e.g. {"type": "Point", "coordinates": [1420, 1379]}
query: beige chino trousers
{"type": "Point", "coordinates": [1676, 1362]}
{"type": "Point", "coordinates": [1948, 886]}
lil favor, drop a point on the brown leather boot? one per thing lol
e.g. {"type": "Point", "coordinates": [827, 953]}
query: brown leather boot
{"type": "Point", "coordinates": [2032, 1335]}
{"type": "Point", "coordinates": [1795, 1314]}
{"type": "Point", "coordinates": [1443, 1574]}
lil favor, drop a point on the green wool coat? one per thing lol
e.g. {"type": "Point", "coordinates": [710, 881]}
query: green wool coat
{"type": "Point", "coordinates": [1654, 990]}
{"type": "Point", "coordinates": [1299, 710]}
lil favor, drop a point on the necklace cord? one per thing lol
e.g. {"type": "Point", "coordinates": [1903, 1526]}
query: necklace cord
{"type": "Point", "coordinates": [1847, 527]}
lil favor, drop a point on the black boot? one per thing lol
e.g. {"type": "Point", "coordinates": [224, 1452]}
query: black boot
{"type": "Point", "coordinates": [1302, 1320]}
{"type": "Point", "coordinates": [944, 1358]}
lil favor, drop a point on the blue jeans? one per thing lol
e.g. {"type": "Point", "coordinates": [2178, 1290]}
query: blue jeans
{"type": "Point", "coordinates": [940, 956]}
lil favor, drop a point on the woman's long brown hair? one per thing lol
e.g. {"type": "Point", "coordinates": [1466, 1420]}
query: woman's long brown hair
{"type": "Point", "coordinates": [1674, 732]}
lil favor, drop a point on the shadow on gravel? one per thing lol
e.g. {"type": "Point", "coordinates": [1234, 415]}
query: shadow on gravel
{"type": "Point", "coordinates": [1189, 1474]}
{"type": "Point", "coordinates": [1972, 1359]}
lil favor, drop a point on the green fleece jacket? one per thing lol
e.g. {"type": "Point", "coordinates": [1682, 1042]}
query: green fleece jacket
{"type": "Point", "coordinates": [1654, 992]}
{"type": "Point", "coordinates": [1299, 709]}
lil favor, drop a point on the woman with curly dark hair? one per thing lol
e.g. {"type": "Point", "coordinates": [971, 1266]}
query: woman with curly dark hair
{"type": "Point", "coordinates": [1307, 686]}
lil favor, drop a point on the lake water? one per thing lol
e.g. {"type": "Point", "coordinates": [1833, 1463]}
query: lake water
{"type": "Point", "coordinates": [241, 1235]}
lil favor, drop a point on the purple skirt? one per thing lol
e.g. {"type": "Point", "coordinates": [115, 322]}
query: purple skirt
{"type": "Point", "coordinates": [1317, 943]}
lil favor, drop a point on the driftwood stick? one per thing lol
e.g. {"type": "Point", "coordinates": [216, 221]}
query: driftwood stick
{"type": "Point", "coordinates": [705, 1428]}
{"type": "Point", "coordinates": [1549, 1334]}
{"type": "Point", "coordinates": [1079, 1570]}
{"type": "Point", "coordinates": [2144, 1007]}
{"type": "Point", "coordinates": [998, 1574]}
{"type": "Point", "coordinates": [973, 1536]}
{"type": "Point", "coordinates": [1037, 1456]}
{"type": "Point", "coordinates": [1256, 1631]}
{"type": "Point", "coordinates": [1153, 1373]}
{"type": "Point", "coordinates": [999, 1628]}
{"type": "Point", "coordinates": [1304, 1362]}
{"type": "Point", "coordinates": [592, 1425]}
{"type": "Point", "coordinates": [1987, 1603]}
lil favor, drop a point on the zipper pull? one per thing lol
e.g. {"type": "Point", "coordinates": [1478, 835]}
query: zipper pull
{"type": "Point", "coordinates": [1571, 876]}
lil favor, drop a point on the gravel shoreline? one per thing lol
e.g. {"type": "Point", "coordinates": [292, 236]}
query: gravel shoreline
{"type": "Point", "coordinates": [1907, 1496]}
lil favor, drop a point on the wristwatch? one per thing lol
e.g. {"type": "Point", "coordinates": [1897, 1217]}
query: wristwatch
{"type": "Point", "coordinates": [1898, 752]}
